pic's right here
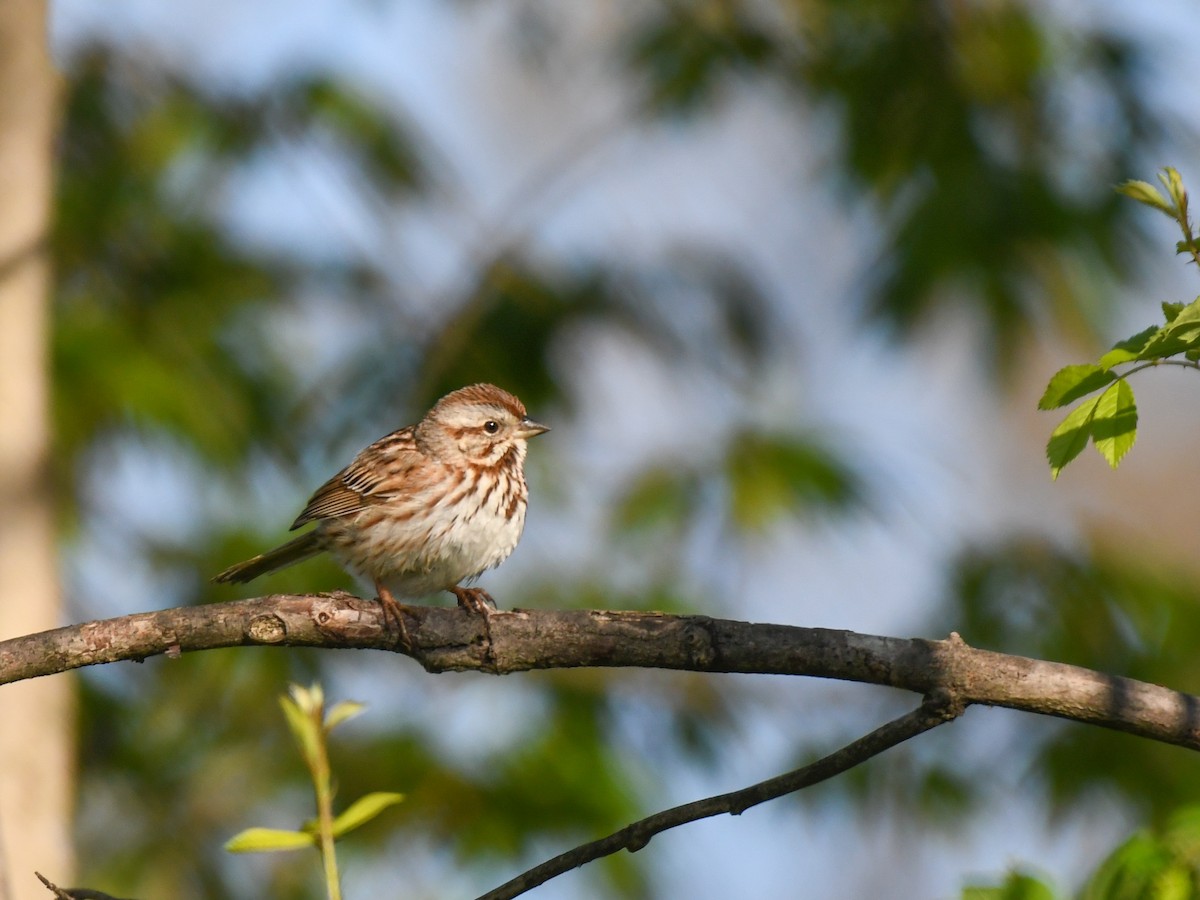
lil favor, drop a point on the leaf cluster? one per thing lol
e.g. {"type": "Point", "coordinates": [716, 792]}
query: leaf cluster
{"type": "Point", "coordinates": [1150, 865]}
{"type": "Point", "coordinates": [1109, 419]}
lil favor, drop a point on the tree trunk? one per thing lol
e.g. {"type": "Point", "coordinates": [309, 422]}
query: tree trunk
{"type": "Point", "coordinates": [35, 718]}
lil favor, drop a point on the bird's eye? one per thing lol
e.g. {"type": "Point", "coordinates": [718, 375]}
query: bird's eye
{"type": "Point", "coordinates": [491, 426]}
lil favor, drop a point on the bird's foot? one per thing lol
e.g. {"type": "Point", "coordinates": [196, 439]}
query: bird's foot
{"type": "Point", "coordinates": [393, 615]}
{"type": "Point", "coordinates": [475, 600]}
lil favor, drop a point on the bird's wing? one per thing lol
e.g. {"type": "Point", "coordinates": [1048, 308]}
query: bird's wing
{"type": "Point", "coordinates": [371, 478]}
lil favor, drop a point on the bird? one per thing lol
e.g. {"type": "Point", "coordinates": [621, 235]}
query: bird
{"type": "Point", "coordinates": [423, 509]}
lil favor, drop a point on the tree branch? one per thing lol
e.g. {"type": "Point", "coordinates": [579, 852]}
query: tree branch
{"type": "Point", "coordinates": [930, 714]}
{"type": "Point", "coordinates": [73, 893]}
{"type": "Point", "coordinates": [446, 639]}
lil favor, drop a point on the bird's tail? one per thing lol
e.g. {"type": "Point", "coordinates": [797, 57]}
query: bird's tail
{"type": "Point", "coordinates": [292, 552]}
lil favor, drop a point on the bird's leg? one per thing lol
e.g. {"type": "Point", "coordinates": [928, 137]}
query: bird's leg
{"type": "Point", "coordinates": [475, 600]}
{"type": "Point", "coordinates": [393, 612]}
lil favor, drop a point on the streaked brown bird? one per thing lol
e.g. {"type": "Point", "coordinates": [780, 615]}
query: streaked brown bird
{"type": "Point", "coordinates": [424, 508]}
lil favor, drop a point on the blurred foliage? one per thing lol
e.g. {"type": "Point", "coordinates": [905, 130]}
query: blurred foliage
{"type": "Point", "coordinates": [149, 286]}
{"type": "Point", "coordinates": [514, 307]}
{"type": "Point", "coordinates": [1016, 886]}
{"type": "Point", "coordinates": [517, 304]}
{"type": "Point", "coordinates": [767, 476]}
{"type": "Point", "coordinates": [390, 160]}
{"type": "Point", "coordinates": [1162, 865]}
{"type": "Point", "coordinates": [1107, 613]}
{"type": "Point", "coordinates": [949, 122]}
{"type": "Point", "coordinates": [939, 792]}
{"type": "Point", "coordinates": [685, 51]}
{"type": "Point", "coordinates": [145, 281]}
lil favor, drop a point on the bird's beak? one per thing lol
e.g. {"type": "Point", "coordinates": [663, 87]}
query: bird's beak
{"type": "Point", "coordinates": [527, 428]}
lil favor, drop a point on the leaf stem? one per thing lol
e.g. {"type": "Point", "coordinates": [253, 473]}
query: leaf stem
{"type": "Point", "coordinates": [1185, 363]}
{"type": "Point", "coordinates": [1189, 239]}
{"type": "Point", "coordinates": [319, 766]}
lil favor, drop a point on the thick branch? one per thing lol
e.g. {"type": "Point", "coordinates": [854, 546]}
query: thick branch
{"type": "Point", "coordinates": [445, 639]}
{"type": "Point", "coordinates": [634, 837]}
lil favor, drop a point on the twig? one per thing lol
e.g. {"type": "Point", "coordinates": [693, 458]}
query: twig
{"type": "Point", "coordinates": [73, 893]}
{"type": "Point", "coordinates": [930, 714]}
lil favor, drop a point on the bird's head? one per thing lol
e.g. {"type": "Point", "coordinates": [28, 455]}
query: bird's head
{"type": "Point", "coordinates": [481, 424]}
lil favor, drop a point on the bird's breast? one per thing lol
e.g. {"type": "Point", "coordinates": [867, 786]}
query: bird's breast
{"type": "Point", "coordinates": [422, 544]}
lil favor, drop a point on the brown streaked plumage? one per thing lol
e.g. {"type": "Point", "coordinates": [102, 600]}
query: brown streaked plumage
{"type": "Point", "coordinates": [424, 508]}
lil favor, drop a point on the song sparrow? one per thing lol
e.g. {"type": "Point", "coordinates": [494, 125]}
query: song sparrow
{"type": "Point", "coordinates": [424, 508]}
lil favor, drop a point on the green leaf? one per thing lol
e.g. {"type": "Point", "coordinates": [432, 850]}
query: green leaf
{"type": "Point", "coordinates": [1187, 313]}
{"type": "Point", "coordinates": [1183, 832]}
{"type": "Point", "coordinates": [1186, 247]}
{"type": "Point", "coordinates": [1171, 310]}
{"type": "Point", "coordinates": [1174, 883]}
{"type": "Point", "coordinates": [310, 700]}
{"type": "Point", "coordinates": [1153, 867]}
{"type": "Point", "coordinates": [1171, 180]}
{"type": "Point", "coordinates": [1131, 348]}
{"type": "Point", "coordinates": [1144, 192]}
{"type": "Point", "coordinates": [1179, 335]}
{"type": "Point", "coordinates": [267, 840]}
{"type": "Point", "coordinates": [1118, 355]}
{"type": "Point", "coordinates": [342, 712]}
{"type": "Point", "coordinates": [1072, 382]}
{"type": "Point", "coordinates": [1114, 426]}
{"type": "Point", "coordinates": [1130, 870]}
{"type": "Point", "coordinates": [304, 729]}
{"type": "Point", "coordinates": [1168, 344]}
{"type": "Point", "coordinates": [363, 810]}
{"type": "Point", "coordinates": [1016, 886]}
{"type": "Point", "coordinates": [1070, 437]}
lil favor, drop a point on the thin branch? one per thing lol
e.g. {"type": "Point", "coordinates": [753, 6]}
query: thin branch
{"type": "Point", "coordinates": [1155, 363]}
{"type": "Point", "coordinates": [931, 713]}
{"type": "Point", "coordinates": [73, 893]}
{"type": "Point", "coordinates": [445, 639]}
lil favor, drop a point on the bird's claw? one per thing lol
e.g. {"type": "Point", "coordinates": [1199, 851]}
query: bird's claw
{"type": "Point", "coordinates": [475, 600]}
{"type": "Point", "coordinates": [393, 615]}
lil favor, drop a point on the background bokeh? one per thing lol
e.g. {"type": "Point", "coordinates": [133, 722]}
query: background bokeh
{"type": "Point", "coordinates": [786, 277]}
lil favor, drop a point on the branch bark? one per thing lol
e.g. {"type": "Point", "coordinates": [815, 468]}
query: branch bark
{"type": "Point", "coordinates": [445, 639]}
